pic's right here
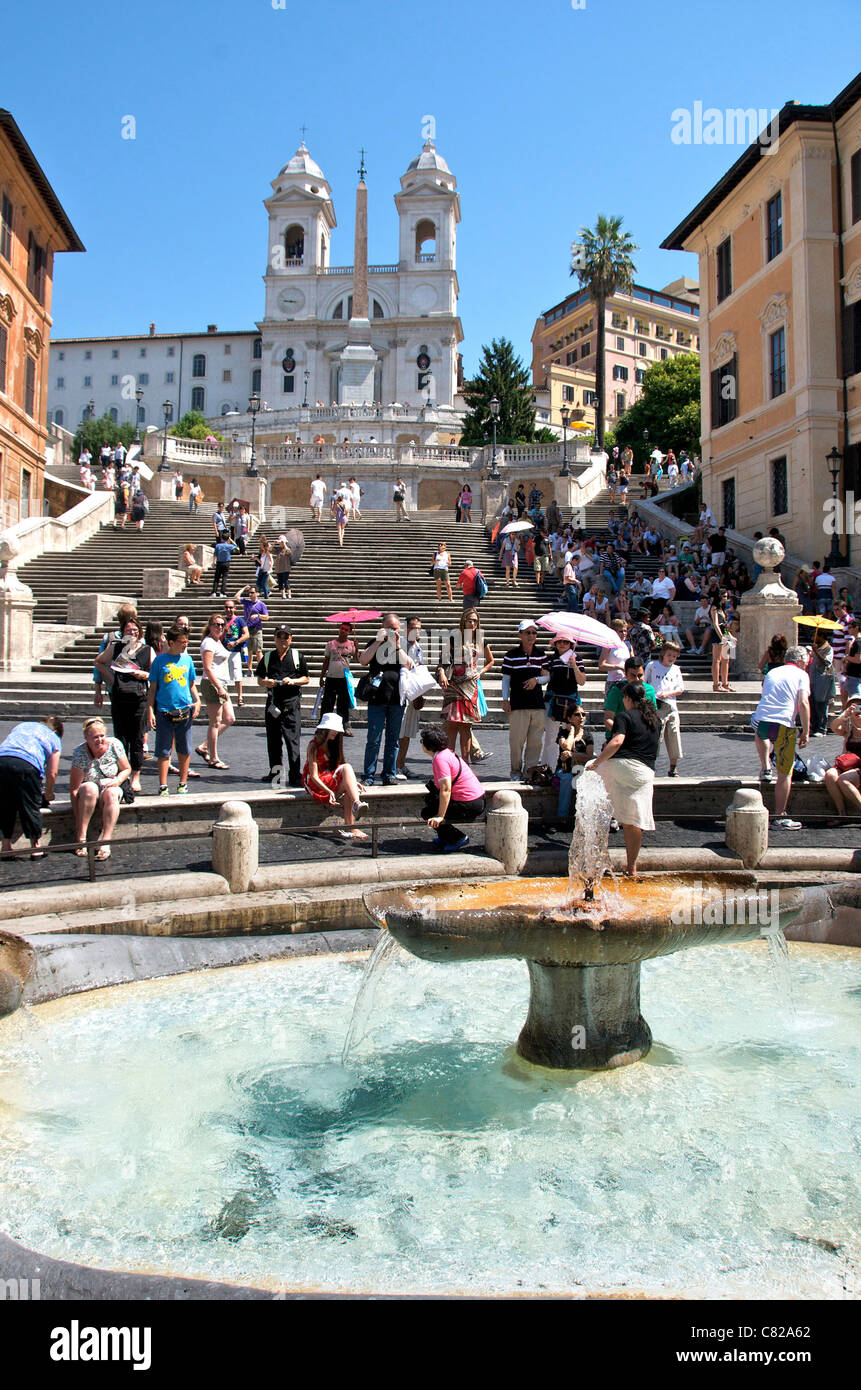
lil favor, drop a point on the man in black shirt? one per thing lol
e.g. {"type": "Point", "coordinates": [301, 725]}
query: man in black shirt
{"type": "Point", "coordinates": [283, 673]}
{"type": "Point", "coordinates": [384, 659]}
{"type": "Point", "coordinates": [717, 546]}
{"type": "Point", "coordinates": [523, 699]}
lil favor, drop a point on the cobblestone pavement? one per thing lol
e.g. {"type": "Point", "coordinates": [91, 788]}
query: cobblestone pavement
{"type": "Point", "coordinates": [706, 754]}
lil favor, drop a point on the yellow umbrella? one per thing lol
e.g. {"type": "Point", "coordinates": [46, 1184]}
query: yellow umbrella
{"type": "Point", "coordinates": [580, 425]}
{"type": "Point", "coordinates": [815, 621]}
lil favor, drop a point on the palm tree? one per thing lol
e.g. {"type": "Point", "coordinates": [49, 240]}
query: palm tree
{"type": "Point", "coordinates": [605, 266]}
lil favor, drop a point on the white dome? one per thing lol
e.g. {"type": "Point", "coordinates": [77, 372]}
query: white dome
{"type": "Point", "coordinates": [429, 159]}
{"type": "Point", "coordinates": [302, 163]}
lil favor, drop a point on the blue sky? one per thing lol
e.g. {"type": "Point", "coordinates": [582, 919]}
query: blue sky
{"type": "Point", "coordinates": [547, 115]}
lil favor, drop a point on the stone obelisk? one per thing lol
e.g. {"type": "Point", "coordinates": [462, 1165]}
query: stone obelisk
{"type": "Point", "coordinates": [358, 359]}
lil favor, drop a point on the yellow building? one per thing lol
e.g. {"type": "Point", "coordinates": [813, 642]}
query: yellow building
{"type": "Point", "coordinates": [33, 226]}
{"type": "Point", "coordinates": [641, 328]}
{"type": "Point", "coordinates": [779, 242]}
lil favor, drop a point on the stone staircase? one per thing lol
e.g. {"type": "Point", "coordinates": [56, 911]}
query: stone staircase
{"type": "Point", "coordinates": [383, 565]}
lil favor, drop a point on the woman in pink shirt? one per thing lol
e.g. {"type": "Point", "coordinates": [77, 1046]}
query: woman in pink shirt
{"type": "Point", "coordinates": [455, 794]}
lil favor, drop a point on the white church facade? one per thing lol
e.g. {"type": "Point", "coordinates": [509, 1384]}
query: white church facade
{"type": "Point", "coordinates": [353, 352]}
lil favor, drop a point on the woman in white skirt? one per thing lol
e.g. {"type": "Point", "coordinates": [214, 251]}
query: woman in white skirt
{"type": "Point", "coordinates": [627, 765]}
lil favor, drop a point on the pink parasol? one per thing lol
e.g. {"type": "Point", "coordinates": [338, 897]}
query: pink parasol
{"type": "Point", "coordinates": [355, 615]}
{"type": "Point", "coordinates": [581, 628]}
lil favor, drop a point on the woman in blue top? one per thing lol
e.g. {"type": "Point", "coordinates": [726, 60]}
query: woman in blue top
{"type": "Point", "coordinates": [28, 755]}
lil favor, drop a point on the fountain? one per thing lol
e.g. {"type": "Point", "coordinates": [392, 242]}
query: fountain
{"type": "Point", "coordinates": [583, 957]}
{"type": "Point", "coordinates": [17, 961]}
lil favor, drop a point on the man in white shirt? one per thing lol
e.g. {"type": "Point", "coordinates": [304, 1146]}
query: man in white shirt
{"type": "Point", "coordinates": [701, 629]}
{"type": "Point", "coordinates": [318, 498]}
{"type": "Point", "coordinates": [669, 684]}
{"type": "Point", "coordinates": [824, 583]}
{"type": "Point", "coordinates": [785, 698]}
{"type": "Point", "coordinates": [356, 495]}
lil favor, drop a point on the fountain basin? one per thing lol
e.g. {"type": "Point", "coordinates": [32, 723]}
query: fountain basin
{"type": "Point", "coordinates": [583, 957]}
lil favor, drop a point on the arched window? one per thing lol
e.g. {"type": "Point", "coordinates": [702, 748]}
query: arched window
{"type": "Point", "coordinates": [338, 311]}
{"type": "Point", "coordinates": [141, 415]}
{"type": "Point", "coordinates": [378, 310]}
{"type": "Point", "coordinates": [255, 382]}
{"type": "Point", "coordinates": [426, 240]}
{"type": "Point", "coordinates": [294, 243]}
{"type": "Point", "coordinates": [58, 417]}
{"type": "Point", "coordinates": [198, 397]}
{"type": "Point", "coordinates": [257, 349]}
{"type": "Point", "coordinates": [226, 408]}
{"type": "Point", "coordinates": [198, 364]}
{"type": "Point", "coordinates": [115, 414]}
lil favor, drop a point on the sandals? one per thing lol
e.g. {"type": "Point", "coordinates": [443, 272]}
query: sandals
{"type": "Point", "coordinates": [103, 853]}
{"type": "Point", "coordinates": [81, 851]}
{"type": "Point", "coordinates": [222, 767]}
{"type": "Point", "coordinates": [201, 753]}
{"type": "Point", "coordinates": [240, 702]}
{"type": "Point", "coordinates": [352, 834]}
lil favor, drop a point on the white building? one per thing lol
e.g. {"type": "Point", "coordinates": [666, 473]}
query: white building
{"type": "Point", "coordinates": [342, 351]}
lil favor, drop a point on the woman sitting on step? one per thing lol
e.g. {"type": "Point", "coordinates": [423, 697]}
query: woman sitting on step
{"type": "Point", "coordinates": [328, 777]}
{"type": "Point", "coordinates": [99, 769]}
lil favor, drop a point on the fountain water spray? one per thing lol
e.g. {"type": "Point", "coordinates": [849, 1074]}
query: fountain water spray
{"type": "Point", "coordinates": [589, 854]}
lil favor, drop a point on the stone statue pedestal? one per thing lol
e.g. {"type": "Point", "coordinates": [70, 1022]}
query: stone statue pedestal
{"type": "Point", "coordinates": [767, 608]}
{"type": "Point", "coordinates": [16, 612]}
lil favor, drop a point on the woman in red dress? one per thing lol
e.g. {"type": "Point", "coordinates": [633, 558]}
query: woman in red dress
{"type": "Point", "coordinates": [331, 780]}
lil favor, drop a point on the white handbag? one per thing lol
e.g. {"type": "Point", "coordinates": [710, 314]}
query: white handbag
{"type": "Point", "coordinates": [415, 683]}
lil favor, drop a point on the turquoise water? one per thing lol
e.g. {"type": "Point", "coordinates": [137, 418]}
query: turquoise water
{"type": "Point", "coordinates": [205, 1125]}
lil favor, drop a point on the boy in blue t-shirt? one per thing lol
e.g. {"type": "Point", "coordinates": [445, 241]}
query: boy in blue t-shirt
{"type": "Point", "coordinates": [173, 704]}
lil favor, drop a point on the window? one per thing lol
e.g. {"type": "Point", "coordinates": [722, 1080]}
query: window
{"type": "Point", "coordinates": [620, 373]}
{"type": "Point", "coordinates": [88, 356]}
{"type": "Point", "coordinates": [6, 229]}
{"type": "Point", "coordinates": [88, 381]}
{"type": "Point", "coordinates": [620, 403]}
{"type": "Point", "coordinates": [589, 398]}
{"type": "Point", "coordinates": [198, 396]}
{"type": "Point", "coordinates": [26, 493]}
{"type": "Point", "coordinates": [30, 385]}
{"type": "Point", "coordinates": [225, 375]}
{"type": "Point", "coordinates": [227, 349]}
{"type": "Point", "coordinates": [779, 487]}
{"type": "Point", "coordinates": [644, 350]}
{"type": "Point", "coordinates": [723, 262]}
{"type": "Point", "coordinates": [643, 326]}
{"type": "Point", "coordinates": [198, 365]}
{"type": "Point", "coordinates": [620, 344]}
{"type": "Point", "coordinates": [115, 352]}
{"type": "Point", "coordinates": [61, 357]}
{"type": "Point", "coordinates": [855, 184]}
{"type": "Point", "coordinates": [639, 376]}
{"type": "Point", "coordinates": [289, 385]}
{"type": "Point", "coordinates": [773, 227]}
{"type": "Point", "coordinates": [115, 381]}
{"type": "Point", "coordinates": [169, 378]}
{"type": "Point", "coordinates": [568, 393]}
{"type": "Point", "coordinates": [682, 338]}
{"type": "Point", "coordinates": [777, 356]}
{"type": "Point", "coordinates": [257, 349]}
{"type": "Point", "coordinates": [255, 382]}
{"type": "Point", "coordinates": [37, 267]}
{"type": "Point", "coordinates": [724, 393]}
{"type": "Point", "coordinates": [142, 352]}
{"type": "Point", "coordinates": [294, 244]}
{"type": "Point", "coordinates": [728, 503]}
{"type": "Point", "coordinates": [61, 381]}
{"type": "Point", "coordinates": [143, 379]}
{"type": "Point", "coordinates": [852, 338]}
{"type": "Point", "coordinates": [585, 349]}
{"type": "Point", "coordinates": [115, 415]}
{"type": "Point", "coordinates": [141, 414]}
{"type": "Point", "coordinates": [4, 342]}
{"type": "Point", "coordinates": [664, 354]}
{"type": "Point", "coordinates": [59, 417]}
{"type": "Point", "coordinates": [620, 320]}
{"type": "Point", "coordinates": [570, 357]}
{"type": "Point", "coordinates": [171, 352]}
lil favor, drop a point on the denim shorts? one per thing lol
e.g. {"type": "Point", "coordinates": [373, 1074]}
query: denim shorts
{"type": "Point", "coordinates": [169, 732]}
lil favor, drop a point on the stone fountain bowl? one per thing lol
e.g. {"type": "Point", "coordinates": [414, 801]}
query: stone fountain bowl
{"type": "Point", "coordinates": [583, 957]}
{"type": "Point", "coordinates": [17, 962]}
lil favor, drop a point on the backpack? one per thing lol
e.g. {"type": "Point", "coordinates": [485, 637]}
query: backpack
{"type": "Point", "coordinates": [480, 586]}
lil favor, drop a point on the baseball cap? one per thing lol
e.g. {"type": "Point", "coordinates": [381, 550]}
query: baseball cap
{"type": "Point", "coordinates": [282, 630]}
{"type": "Point", "coordinates": [527, 625]}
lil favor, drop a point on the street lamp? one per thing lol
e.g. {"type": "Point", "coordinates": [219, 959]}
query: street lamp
{"type": "Point", "coordinates": [167, 407]}
{"type": "Point", "coordinates": [566, 416]}
{"type": "Point", "coordinates": [646, 444]}
{"type": "Point", "coordinates": [139, 395]}
{"type": "Point", "coordinates": [834, 460]}
{"type": "Point", "coordinates": [253, 405]}
{"type": "Point", "coordinates": [307, 379]}
{"type": "Point", "coordinates": [494, 416]}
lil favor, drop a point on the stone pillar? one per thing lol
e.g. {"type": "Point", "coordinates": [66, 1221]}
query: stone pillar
{"type": "Point", "coordinates": [747, 826]}
{"type": "Point", "coordinates": [16, 611]}
{"type": "Point", "coordinates": [494, 495]}
{"type": "Point", "coordinates": [235, 842]}
{"type": "Point", "coordinates": [506, 835]}
{"type": "Point", "coordinates": [767, 608]}
{"type": "Point", "coordinates": [584, 1016]}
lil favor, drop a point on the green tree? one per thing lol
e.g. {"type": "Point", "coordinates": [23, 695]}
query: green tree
{"type": "Point", "coordinates": [502, 374]}
{"type": "Point", "coordinates": [193, 425]}
{"type": "Point", "coordinates": [605, 267]}
{"type": "Point", "coordinates": [94, 433]}
{"type": "Point", "coordinates": [669, 408]}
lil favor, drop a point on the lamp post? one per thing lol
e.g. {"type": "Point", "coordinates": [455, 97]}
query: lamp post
{"type": "Point", "coordinates": [305, 398]}
{"type": "Point", "coordinates": [494, 416]}
{"type": "Point", "coordinates": [253, 406]}
{"type": "Point", "coordinates": [139, 395]}
{"type": "Point", "coordinates": [566, 416]}
{"type": "Point", "coordinates": [834, 461]}
{"type": "Point", "coordinates": [167, 408]}
{"type": "Point", "coordinates": [646, 445]}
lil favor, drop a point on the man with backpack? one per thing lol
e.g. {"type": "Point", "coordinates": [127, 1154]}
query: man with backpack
{"type": "Point", "coordinates": [282, 673]}
{"type": "Point", "coordinates": [473, 584]}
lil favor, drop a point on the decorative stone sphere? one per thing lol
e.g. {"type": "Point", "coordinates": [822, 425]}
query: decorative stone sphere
{"type": "Point", "coordinates": [9, 547]}
{"type": "Point", "coordinates": [768, 553]}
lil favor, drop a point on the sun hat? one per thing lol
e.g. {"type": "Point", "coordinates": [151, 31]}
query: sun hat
{"type": "Point", "coordinates": [333, 722]}
{"type": "Point", "coordinates": [527, 624]}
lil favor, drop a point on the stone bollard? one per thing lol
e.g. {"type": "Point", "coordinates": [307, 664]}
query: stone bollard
{"type": "Point", "coordinates": [506, 835]}
{"type": "Point", "coordinates": [747, 826]}
{"type": "Point", "coordinates": [235, 840]}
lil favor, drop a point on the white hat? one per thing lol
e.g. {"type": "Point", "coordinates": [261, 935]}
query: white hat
{"type": "Point", "coordinates": [333, 722]}
{"type": "Point", "coordinates": [527, 624]}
